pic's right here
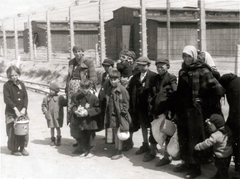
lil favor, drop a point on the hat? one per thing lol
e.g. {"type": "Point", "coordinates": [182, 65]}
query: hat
{"type": "Point", "coordinates": [217, 120]}
{"type": "Point", "coordinates": [161, 60]}
{"type": "Point", "coordinates": [76, 48]}
{"type": "Point", "coordinates": [143, 61]}
{"type": "Point", "coordinates": [54, 87]}
{"type": "Point", "coordinates": [108, 62]}
{"type": "Point", "coordinates": [128, 53]}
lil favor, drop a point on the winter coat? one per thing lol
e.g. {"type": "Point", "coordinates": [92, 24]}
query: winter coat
{"type": "Point", "coordinates": [121, 106]}
{"type": "Point", "coordinates": [52, 108]}
{"type": "Point", "coordinates": [91, 103]}
{"type": "Point", "coordinates": [14, 97]}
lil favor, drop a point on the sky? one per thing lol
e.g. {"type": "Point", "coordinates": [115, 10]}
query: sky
{"type": "Point", "coordinates": [88, 10]}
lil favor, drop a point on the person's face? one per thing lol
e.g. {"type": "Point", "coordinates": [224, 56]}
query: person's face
{"type": "Point", "coordinates": [143, 67]}
{"type": "Point", "coordinates": [78, 54]}
{"type": "Point", "coordinates": [52, 92]}
{"type": "Point", "coordinates": [188, 59]}
{"type": "Point", "coordinates": [107, 67]}
{"type": "Point", "coordinates": [162, 68]}
{"type": "Point", "coordinates": [114, 81]}
{"type": "Point", "coordinates": [126, 58]}
{"type": "Point", "coordinates": [14, 76]}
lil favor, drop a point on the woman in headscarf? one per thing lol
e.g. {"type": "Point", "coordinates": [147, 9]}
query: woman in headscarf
{"type": "Point", "coordinates": [196, 87]}
{"type": "Point", "coordinates": [207, 58]}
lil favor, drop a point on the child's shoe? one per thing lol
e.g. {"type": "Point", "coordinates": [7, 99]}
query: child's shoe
{"type": "Point", "coordinates": [24, 152]}
{"type": "Point", "coordinates": [52, 143]}
{"type": "Point", "coordinates": [118, 155]}
{"type": "Point", "coordinates": [16, 153]}
{"type": "Point", "coordinates": [58, 143]}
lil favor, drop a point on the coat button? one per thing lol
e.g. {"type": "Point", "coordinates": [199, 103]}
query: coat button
{"type": "Point", "coordinates": [19, 99]}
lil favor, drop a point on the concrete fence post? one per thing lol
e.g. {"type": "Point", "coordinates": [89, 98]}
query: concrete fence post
{"type": "Point", "coordinates": [237, 60]}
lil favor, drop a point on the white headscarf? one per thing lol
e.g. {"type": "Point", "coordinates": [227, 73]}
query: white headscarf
{"type": "Point", "coordinates": [191, 50]}
{"type": "Point", "coordinates": [209, 59]}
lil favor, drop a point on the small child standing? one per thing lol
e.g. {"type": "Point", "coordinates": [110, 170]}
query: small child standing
{"type": "Point", "coordinates": [86, 111]}
{"type": "Point", "coordinates": [220, 139]}
{"type": "Point", "coordinates": [52, 108]}
{"type": "Point", "coordinates": [116, 113]}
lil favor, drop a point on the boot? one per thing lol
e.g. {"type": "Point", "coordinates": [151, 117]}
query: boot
{"type": "Point", "coordinates": [23, 151]}
{"type": "Point", "coordinates": [52, 143]}
{"type": "Point", "coordinates": [144, 148]}
{"type": "Point", "coordinates": [58, 143]}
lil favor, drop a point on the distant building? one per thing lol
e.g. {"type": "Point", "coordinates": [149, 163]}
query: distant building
{"type": "Point", "coordinates": [222, 31]}
{"type": "Point", "coordinates": [10, 39]}
{"type": "Point", "coordinates": [86, 35]}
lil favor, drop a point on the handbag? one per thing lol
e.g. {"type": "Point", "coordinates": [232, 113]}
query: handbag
{"type": "Point", "coordinates": [157, 134]}
{"type": "Point", "coordinates": [173, 148]}
{"type": "Point", "coordinates": [168, 127]}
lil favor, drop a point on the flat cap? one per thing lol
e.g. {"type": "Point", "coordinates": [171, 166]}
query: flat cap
{"type": "Point", "coordinates": [143, 61]}
{"type": "Point", "coordinates": [162, 60]}
{"type": "Point", "coordinates": [108, 62]}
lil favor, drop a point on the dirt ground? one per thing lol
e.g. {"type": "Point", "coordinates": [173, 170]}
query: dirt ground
{"type": "Point", "coordinates": [46, 162]}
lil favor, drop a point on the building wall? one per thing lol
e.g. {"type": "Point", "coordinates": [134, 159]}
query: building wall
{"type": "Point", "coordinates": [86, 39]}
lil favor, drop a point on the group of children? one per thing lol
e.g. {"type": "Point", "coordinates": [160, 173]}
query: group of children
{"type": "Point", "coordinates": [130, 97]}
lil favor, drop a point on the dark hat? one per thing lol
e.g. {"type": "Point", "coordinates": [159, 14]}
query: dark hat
{"type": "Point", "coordinates": [76, 48]}
{"type": "Point", "coordinates": [108, 62]}
{"type": "Point", "coordinates": [54, 87]}
{"type": "Point", "coordinates": [143, 61]}
{"type": "Point", "coordinates": [217, 120]}
{"type": "Point", "coordinates": [162, 60]}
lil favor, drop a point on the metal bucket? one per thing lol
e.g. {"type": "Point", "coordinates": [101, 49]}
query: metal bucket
{"type": "Point", "coordinates": [21, 127]}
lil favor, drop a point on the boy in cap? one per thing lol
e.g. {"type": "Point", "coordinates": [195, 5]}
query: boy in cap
{"type": "Point", "coordinates": [164, 84]}
{"type": "Point", "coordinates": [139, 91]}
{"type": "Point", "coordinates": [221, 140]}
{"type": "Point", "coordinates": [116, 113]}
{"type": "Point", "coordinates": [52, 108]}
{"type": "Point", "coordinates": [107, 64]}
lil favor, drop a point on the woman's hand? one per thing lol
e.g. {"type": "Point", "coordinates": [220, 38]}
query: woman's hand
{"type": "Point", "coordinates": [17, 112]}
{"type": "Point", "coordinates": [23, 111]}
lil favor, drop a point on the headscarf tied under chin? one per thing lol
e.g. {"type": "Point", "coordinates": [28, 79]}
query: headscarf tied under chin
{"type": "Point", "coordinates": [192, 51]}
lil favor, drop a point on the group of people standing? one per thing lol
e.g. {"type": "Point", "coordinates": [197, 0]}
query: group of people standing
{"type": "Point", "coordinates": [132, 96]}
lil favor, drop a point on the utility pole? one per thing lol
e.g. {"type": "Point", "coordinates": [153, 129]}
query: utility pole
{"type": "Point", "coordinates": [202, 25]}
{"type": "Point", "coordinates": [71, 31]}
{"type": "Point", "coordinates": [143, 27]}
{"type": "Point", "coordinates": [102, 32]}
{"type": "Point", "coordinates": [15, 37]}
{"type": "Point", "coordinates": [168, 29]}
{"type": "Point", "coordinates": [4, 39]}
{"type": "Point", "coordinates": [30, 37]}
{"type": "Point", "coordinates": [49, 42]}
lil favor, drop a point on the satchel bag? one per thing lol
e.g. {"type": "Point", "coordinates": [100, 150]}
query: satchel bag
{"type": "Point", "coordinates": [157, 134]}
{"type": "Point", "coordinates": [173, 148]}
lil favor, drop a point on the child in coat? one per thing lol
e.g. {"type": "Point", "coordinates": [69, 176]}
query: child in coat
{"type": "Point", "coordinates": [86, 111]}
{"type": "Point", "coordinates": [52, 108]}
{"type": "Point", "coordinates": [116, 113]}
{"type": "Point", "coordinates": [221, 141]}
{"type": "Point", "coordinates": [16, 100]}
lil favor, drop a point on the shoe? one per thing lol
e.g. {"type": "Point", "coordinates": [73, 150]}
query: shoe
{"type": "Point", "coordinates": [193, 174]}
{"type": "Point", "coordinates": [83, 154]}
{"type": "Point", "coordinates": [16, 153]}
{"type": "Point", "coordinates": [114, 153]}
{"type": "Point", "coordinates": [143, 149]}
{"type": "Point", "coordinates": [182, 168]}
{"type": "Point", "coordinates": [58, 143]}
{"type": "Point", "coordinates": [127, 146]}
{"type": "Point", "coordinates": [163, 162]}
{"type": "Point", "coordinates": [148, 157]}
{"type": "Point", "coordinates": [117, 156]}
{"type": "Point", "coordinates": [24, 152]}
{"type": "Point", "coordinates": [75, 145]}
{"type": "Point", "coordinates": [89, 155]}
{"type": "Point", "coordinates": [78, 152]}
{"type": "Point", "coordinates": [52, 143]}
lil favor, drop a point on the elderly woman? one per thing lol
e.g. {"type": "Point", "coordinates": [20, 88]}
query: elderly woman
{"type": "Point", "coordinates": [196, 88]}
{"type": "Point", "coordinates": [80, 69]}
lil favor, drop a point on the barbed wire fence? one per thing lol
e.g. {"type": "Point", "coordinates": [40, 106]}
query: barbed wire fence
{"type": "Point", "coordinates": [157, 29]}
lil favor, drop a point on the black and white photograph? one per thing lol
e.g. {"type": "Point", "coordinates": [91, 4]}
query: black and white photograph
{"type": "Point", "coordinates": [120, 89]}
